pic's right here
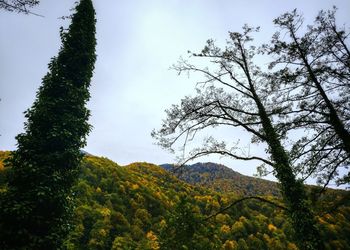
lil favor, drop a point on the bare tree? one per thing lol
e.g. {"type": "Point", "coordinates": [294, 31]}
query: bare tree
{"type": "Point", "coordinates": [233, 94]}
{"type": "Point", "coordinates": [312, 80]}
{"type": "Point", "coordinates": [20, 6]}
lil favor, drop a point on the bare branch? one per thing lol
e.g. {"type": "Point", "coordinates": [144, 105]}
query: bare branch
{"type": "Point", "coordinates": [244, 199]}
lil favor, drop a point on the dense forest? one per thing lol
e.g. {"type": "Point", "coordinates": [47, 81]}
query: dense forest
{"type": "Point", "coordinates": [142, 206]}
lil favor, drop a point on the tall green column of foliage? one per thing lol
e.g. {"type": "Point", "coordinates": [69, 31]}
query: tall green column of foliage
{"type": "Point", "coordinates": [35, 208]}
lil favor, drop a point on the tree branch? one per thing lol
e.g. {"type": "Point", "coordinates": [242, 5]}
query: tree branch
{"type": "Point", "coordinates": [244, 199]}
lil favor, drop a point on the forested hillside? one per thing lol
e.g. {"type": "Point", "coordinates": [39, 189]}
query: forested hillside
{"type": "Point", "coordinates": [142, 206]}
{"type": "Point", "coordinates": [223, 179]}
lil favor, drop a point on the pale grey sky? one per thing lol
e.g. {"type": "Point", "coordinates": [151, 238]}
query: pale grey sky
{"type": "Point", "coordinates": [132, 85]}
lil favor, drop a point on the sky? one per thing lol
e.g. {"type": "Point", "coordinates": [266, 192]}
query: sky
{"type": "Point", "coordinates": [137, 42]}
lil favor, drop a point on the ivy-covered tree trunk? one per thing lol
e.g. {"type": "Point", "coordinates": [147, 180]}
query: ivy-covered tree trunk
{"type": "Point", "coordinates": [35, 208]}
{"type": "Point", "coordinates": [293, 191]}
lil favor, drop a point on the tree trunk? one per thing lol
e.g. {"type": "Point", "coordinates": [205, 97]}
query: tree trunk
{"type": "Point", "coordinates": [293, 191]}
{"type": "Point", "coordinates": [334, 119]}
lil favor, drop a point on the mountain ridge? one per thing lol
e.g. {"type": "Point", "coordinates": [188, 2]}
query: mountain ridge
{"type": "Point", "coordinates": [221, 178]}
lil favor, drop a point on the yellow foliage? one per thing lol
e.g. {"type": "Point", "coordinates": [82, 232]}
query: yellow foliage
{"type": "Point", "coordinates": [98, 190]}
{"type": "Point", "coordinates": [224, 200]}
{"type": "Point", "coordinates": [291, 246]}
{"type": "Point", "coordinates": [105, 212]}
{"type": "Point", "coordinates": [3, 156]}
{"type": "Point", "coordinates": [327, 216]}
{"type": "Point", "coordinates": [162, 223]}
{"type": "Point", "coordinates": [135, 186]}
{"type": "Point", "coordinates": [204, 198]}
{"type": "Point", "coordinates": [153, 240]}
{"type": "Point", "coordinates": [215, 204]}
{"type": "Point", "coordinates": [243, 219]}
{"type": "Point", "coordinates": [332, 227]}
{"type": "Point", "coordinates": [102, 232]}
{"type": "Point", "coordinates": [225, 229]}
{"type": "Point", "coordinates": [229, 244]}
{"type": "Point", "coordinates": [151, 236]}
{"type": "Point", "coordinates": [158, 195]}
{"type": "Point", "coordinates": [271, 227]}
{"type": "Point", "coordinates": [322, 221]}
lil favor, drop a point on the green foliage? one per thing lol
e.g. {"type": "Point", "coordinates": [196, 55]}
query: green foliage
{"type": "Point", "coordinates": [143, 198]}
{"type": "Point", "coordinates": [36, 204]}
{"type": "Point", "coordinates": [132, 201]}
{"type": "Point", "coordinates": [142, 206]}
{"type": "Point", "coordinates": [180, 227]}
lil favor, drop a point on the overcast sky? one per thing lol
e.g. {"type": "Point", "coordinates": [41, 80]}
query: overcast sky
{"type": "Point", "coordinates": [137, 42]}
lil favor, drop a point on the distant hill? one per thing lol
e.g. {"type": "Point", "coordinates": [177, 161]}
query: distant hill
{"type": "Point", "coordinates": [220, 178]}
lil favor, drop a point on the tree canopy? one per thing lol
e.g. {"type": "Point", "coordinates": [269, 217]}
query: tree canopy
{"type": "Point", "coordinates": [142, 206]}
